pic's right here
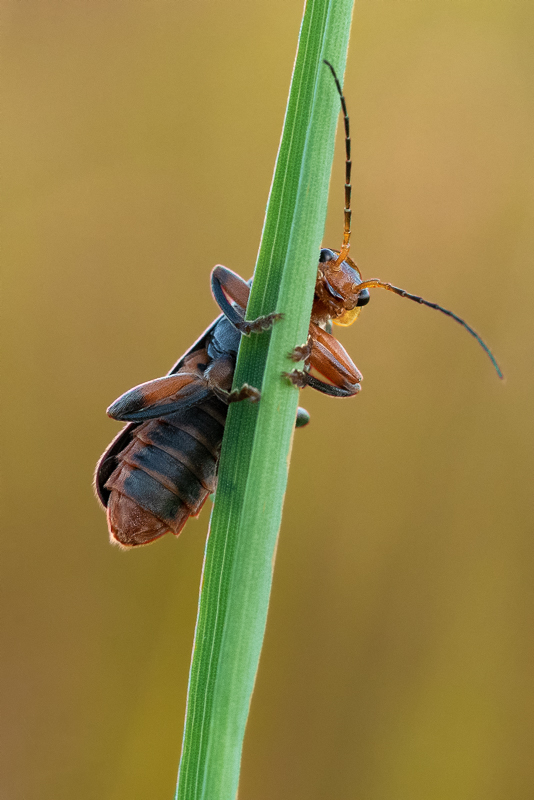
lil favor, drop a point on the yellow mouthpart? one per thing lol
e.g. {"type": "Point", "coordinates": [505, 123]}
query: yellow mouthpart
{"type": "Point", "coordinates": [347, 318]}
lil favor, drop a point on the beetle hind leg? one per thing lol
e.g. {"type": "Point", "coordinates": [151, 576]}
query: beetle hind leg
{"type": "Point", "coordinates": [259, 324]}
{"type": "Point", "coordinates": [227, 284]}
{"type": "Point", "coordinates": [159, 397]}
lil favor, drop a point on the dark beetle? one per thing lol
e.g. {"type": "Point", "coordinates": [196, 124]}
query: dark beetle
{"type": "Point", "coordinates": [169, 463]}
{"type": "Point", "coordinates": [162, 466]}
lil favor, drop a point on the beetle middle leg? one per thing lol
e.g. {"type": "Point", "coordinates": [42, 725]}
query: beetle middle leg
{"type": "Point", "coordinates": [179, 391]}
{"type": "Point", "coordinates": [330, 359]}
{"type": "Point", "coordinates": [219, 376]}
{"type": "Point", "coordinates": [227, 284]}
{"type": "Point", "coordinates": [159, 397]}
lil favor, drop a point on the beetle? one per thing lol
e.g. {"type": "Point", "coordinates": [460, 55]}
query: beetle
{"type": "Point", "coordinates": [160, 469]}
{"type": "Point", "coordinates": [162, 466]}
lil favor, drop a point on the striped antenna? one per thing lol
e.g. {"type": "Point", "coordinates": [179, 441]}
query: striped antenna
{"type": "Point", "coordinates": [373, 284]}
{"type": "Point", "coordinates": [348, 169]}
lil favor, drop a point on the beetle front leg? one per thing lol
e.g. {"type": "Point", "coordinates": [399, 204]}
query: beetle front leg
{"type": "Point", "coordinates": [331, 359]}
{"type": "Point", "coordinates": [227, 284]}
{"type": "Point", "coordinates": [302, 352]}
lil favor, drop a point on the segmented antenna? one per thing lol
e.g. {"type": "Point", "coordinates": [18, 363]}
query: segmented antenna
{"type": "Point", "coordinates": [373, 283]}
{"type": "Point", "coordinates": [348, 168]}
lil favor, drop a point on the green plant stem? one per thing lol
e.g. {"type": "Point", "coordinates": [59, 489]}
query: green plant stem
{"type": "Point", "coordinates": [239, 556]}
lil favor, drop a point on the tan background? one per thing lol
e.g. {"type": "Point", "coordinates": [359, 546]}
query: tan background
{"type": "Point", "coordinates": [139, 141]}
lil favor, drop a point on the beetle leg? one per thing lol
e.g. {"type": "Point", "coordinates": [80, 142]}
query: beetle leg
{"type": "Point", "coordinates": [219, 377]}
{"type": "Point", "coordinates": [302, 352]}
{"type": "Point", "coordinates": [226, 284]}
{"type": "Point", "coordinates": [246, 392]}
{"type": "Point", "coordinates": [301, 379]}
{"type": "Point", "coordinates": [298, 378]}
{"type": "Point", "coordinates": [160, 397]}
{"type": "Point", "coordinates": [331, 359]}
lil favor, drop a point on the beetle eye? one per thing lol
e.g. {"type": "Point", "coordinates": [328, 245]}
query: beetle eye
{"type": "Point", "coordinates": [363, 297]}
{"type": "Point", "coordinates": [326, 255]}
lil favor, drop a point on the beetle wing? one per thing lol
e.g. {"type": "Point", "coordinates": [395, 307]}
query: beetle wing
{"type": "Point", "coordinates": [108, 461]}
{"type": "Point", "coordinates": [160, 397]}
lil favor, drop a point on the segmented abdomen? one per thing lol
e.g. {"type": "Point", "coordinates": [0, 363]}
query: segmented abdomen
{"type": "Point", "coordinates": [165, 473]}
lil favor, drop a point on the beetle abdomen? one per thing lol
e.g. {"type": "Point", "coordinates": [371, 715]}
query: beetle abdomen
{"type": "Point", "coordinates": [165, 473]}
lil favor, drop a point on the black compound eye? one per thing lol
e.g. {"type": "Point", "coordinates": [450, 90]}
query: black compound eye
{"type": "Point", "coordinates": [327, 255]}
{"type": "Point", "coordinates": [363, 297]}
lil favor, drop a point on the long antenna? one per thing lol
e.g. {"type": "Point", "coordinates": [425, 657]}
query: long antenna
{"type": "Point", "coordinates": [348, 168]}
{"type": "Point", "coordinates": [374, 283]}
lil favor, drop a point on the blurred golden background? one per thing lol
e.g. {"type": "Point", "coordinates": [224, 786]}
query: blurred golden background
{"type": "Point", "coordinates": [139, 142]}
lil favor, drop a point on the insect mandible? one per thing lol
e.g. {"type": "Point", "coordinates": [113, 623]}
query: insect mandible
{"type": "Point", "coordinates": [160, 469]}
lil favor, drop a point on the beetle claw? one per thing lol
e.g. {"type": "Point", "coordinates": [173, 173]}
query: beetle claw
{"type": "Point", "coordinates": [260, 324]}
{"type": "Point", "coordinates": [297, 377]}
{"type": "Point", "coordinates": [245, 393]}
{"type": "Point", "coordinates": [302, 352]}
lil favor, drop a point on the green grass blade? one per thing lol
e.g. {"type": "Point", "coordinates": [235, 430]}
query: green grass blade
{"type": "Point", "coordinates": [240, 550]}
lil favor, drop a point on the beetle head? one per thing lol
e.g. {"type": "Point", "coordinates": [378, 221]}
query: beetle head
{"type": "Point", "coordinates": [337, 288]}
